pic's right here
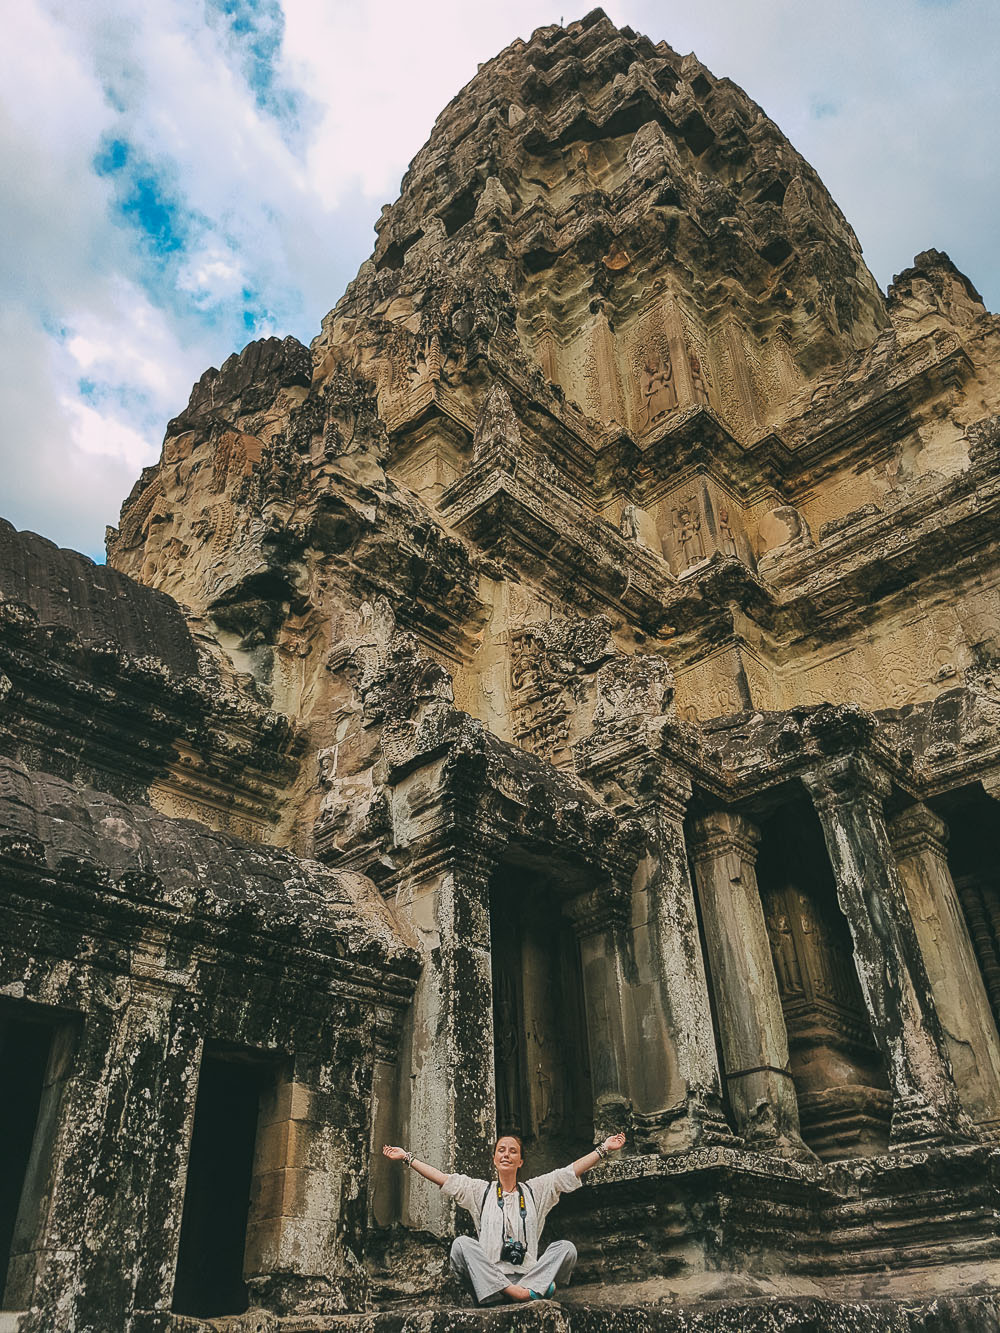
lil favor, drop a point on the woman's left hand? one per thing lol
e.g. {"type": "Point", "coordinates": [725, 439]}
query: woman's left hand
{"type": "Point", "coordinates": [613, 1143]}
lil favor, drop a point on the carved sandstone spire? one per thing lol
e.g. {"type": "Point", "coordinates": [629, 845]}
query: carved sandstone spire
{"type": "Point", "coordinates": [497, 441]}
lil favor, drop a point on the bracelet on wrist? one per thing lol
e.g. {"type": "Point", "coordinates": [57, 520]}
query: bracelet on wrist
{"type": "Point", "coordinates": [601, 1151]}
{"type": "Point", "coordinates": [409, 1159]}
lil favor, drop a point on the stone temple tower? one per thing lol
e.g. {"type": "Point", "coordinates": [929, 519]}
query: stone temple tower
{"type": "Point", "coordinates": [564, 698]}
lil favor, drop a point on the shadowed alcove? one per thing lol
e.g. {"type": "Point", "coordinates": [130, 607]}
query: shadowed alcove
{"type": "Point", "coordinates": [35, 1052]}
{"type": "Point", "coordinates": [840, 1083]}
{"type": "Point", "coordinates": [972, 818]}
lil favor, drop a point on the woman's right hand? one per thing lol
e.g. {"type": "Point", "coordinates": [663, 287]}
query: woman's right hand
{"type": "Point", "coordinates": [395, 1154]}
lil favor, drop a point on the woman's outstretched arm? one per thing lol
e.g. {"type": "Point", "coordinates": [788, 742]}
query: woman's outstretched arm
{"type": "Point", "coordinates": [430, 1173]}
{"type": "Point", "coordinates": [587, 1163]}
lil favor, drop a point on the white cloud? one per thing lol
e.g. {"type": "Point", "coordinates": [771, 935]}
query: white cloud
{"type": "Point", "coordinates": [212, 275]}
{"type": "Point", "coordinates": [94, 432]}
{"type": "Point", "coordinates": [131, 342]}
{"type": "Point", "coordinates": [47, 482]}
{"type": "Point", "coordinates": [382, 73]}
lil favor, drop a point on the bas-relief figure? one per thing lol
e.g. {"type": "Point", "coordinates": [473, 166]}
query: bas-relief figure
{"type": "Point", "coordinates": [629, 523]}
{"type": "Point", "coordinates": [687, 532]}
{"type": "Point", "coordinates": [262, 772]}
{"type": "Point", "coordinates": [727, 541]}
{"type": "Point", "coordinates": [698, 377]}
{"type": "Point", "coordinates": [659, 395]}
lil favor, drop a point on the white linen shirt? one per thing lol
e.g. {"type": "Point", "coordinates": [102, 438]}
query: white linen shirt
{"type": "Point", "coordinates": [539, 1200]}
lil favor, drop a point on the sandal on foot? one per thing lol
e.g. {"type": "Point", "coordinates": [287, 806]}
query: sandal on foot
{"type": "Point", "coordinates": [542, 1295]}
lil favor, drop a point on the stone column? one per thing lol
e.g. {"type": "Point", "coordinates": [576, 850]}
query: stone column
{"type": "Point", "coordinates": [123, 1118]}
{"type": "Point", "coordinates": [599, 920]}
{"type": "Point", "coordinates": [451, 1112]}
{"type": "Point", "coordinates": [848, 791]}
{"type": "Point", "coordinates": [671, 1071]}
{"type": "Point", "coordinates": [981, 903]}
{"type": "Point", "coordinates": [468, 977]}
{"type": "Point", "coordinates": [919, 840]}
{"type": "Point", "coordinates": [448, 1102]}
{"type": "Point", "coordinates": [665, 895]}
{"type": "Point", "coordinates": [984, 942]}
{"type": "Point", "coordinates": [747, 1001]}
{"type": "Point", "coordinates": [307, 1199]}
{"type": "Point", "coordinates": [385, 1187]}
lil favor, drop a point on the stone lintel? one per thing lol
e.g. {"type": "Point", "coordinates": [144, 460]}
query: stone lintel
{"type": "Point", "coordinates": [631, 754]}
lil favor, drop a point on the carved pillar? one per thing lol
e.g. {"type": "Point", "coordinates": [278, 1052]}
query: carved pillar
{"type": "Point", "coordinates": [385, 1188]}
{"type": "Point", "coordinates": [305, 1239]}
{"type": "Point", "coordinates": [673, 1072]}
{"type": "Point", "coordinates": [448, 1111]}
{"type": "Point", "coordinates": [848, 792]}
{"type": "Point", "coordinates": [599, 921]}
{"type": "Point", "coordinates": [981, 903]}
{"type": "Point", "coordinates": [751, 1022]}
{"type": "Point", "coordinates": [919, 840]}
{"type": "Point", "coordinates": [162, 1021]}
{"type": "Point", "coordinates": [128, 1131]}
{"type": "Point", "coordinates": [665, 880]}
{"type": "Point", "coordinates": [468, 977]}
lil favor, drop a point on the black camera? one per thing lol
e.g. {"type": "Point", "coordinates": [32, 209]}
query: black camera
{"type": "Point", "coordinates": [513, 1251]}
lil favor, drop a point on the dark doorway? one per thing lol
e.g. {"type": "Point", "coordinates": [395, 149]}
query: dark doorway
{"type": "Point", "coordinates": [24, 1059]}
{"type": "Point", "coordinates": [540, 1038]}
{"type": "Point", "coordinates": [971, 817]}
{"type": "Point", "coordinates": [209, 1277]}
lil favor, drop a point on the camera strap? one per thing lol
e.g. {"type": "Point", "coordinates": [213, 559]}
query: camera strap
{"type": "Point", "coordinates": [521, 1207]}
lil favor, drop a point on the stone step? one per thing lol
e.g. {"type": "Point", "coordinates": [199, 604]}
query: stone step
{"type": "Point", "coordinates": [955, 1314]}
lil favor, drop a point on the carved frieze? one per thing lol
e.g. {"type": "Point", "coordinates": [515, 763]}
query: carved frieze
{"type": "Point", "coordinates": [699, 519]}
{"type": "Point", "coordinates": [552, 666]}
{"type": "Point", "coordinates": [541, 711]}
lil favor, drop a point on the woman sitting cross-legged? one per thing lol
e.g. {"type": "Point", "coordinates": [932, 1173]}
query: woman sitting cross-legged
{"type": "Point", "coordinates": [509, 1215]}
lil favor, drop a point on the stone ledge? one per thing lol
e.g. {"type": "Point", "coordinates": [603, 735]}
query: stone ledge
{"type": "Point", "coordinates": [970, 1314]}
{"type": "Point", "coordinates": [537, 1317]}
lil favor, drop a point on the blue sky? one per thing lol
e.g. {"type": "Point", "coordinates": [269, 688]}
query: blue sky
{"type": "Point", "coordinates": [184, 176]}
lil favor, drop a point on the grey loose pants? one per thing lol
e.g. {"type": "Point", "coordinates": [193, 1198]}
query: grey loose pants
{"type": "Point", "coordinates": [487, 1279]}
